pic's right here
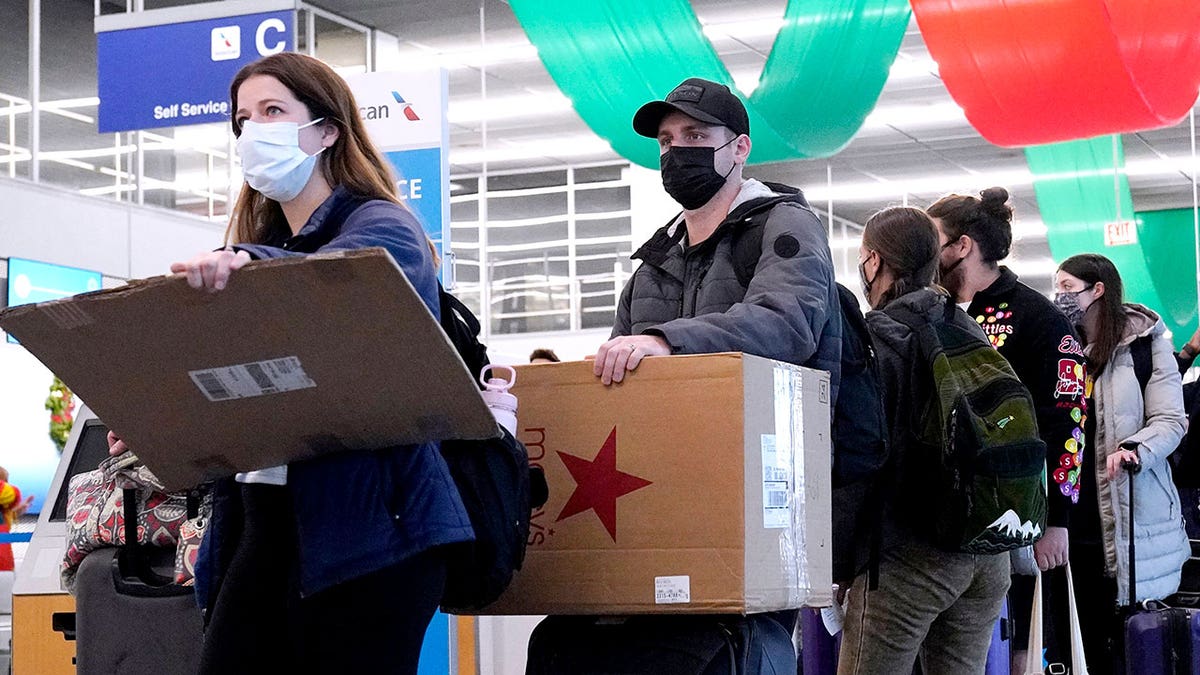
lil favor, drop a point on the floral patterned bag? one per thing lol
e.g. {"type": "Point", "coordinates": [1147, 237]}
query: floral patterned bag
{"type": "Point", "coordinates": [96, 516]}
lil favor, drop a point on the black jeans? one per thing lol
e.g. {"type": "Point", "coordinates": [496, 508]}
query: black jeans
{"type": "Point", "coordinates": [259, 623]}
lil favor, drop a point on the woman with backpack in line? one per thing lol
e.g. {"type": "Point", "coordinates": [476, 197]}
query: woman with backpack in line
{"type": "Point", "coordinates": [1042, 348]}
{"type": "Point", "coordinates": [929, 602]}
{"type": "Point", "coordinates": [1125, 423]}
{"type": "Point", "coordinates": [331, 564]}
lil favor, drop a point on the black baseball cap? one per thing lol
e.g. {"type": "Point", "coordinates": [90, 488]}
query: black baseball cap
{"type": "Point", "coordinates": [707, 101]}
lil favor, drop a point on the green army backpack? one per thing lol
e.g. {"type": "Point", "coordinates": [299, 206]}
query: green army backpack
{"type": "Point", "coordinates": [980, 466]}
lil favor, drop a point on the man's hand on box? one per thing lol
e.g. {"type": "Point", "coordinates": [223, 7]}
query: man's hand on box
{"type": "Point", "coordinates": [210, 271]}
{"type": "Point", "coordinates": [624, 353]}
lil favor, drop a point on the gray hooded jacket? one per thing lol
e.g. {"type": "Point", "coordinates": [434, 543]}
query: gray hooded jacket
{"type": "Point", "coordinates": [1156, 420]}
{"type": "Point", "coordinates": [691, 296]}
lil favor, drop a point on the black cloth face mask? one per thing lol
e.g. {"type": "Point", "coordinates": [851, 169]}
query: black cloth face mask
{"type": "Point", "coordinates": [689, 174]}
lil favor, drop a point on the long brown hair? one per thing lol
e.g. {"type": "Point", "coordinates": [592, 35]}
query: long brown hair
{"type": "Point", "coordinates": [1111, 321]}
{"type": "Point", "coordinates": [907, 242]}
{"type": "Point", "coordinates": [352, 161]}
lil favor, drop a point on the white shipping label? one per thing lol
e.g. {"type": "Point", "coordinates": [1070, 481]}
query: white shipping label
{"type": "Point", "coordinates": [672, 590]}
{"type": "Point", "coordinates": [777, 483]}
{"type": "Point", "coordinates": [246, 380]}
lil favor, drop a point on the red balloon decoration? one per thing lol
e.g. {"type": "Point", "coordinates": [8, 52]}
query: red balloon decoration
{"type": "Point", "coordinates": [1028, 72]}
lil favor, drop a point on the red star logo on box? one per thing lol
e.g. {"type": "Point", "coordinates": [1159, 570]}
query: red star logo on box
{"type": "Point", "coordinates": [598, 484]}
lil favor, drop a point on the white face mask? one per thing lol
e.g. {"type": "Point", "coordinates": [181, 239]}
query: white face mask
{"type": "Point", "coordinates": [272, 160]}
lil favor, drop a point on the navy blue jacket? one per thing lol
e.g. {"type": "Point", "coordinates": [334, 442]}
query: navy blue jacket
{"type": "Point", "coordinates": [361, 511]}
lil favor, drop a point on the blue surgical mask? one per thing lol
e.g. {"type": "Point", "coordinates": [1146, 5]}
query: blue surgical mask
{"type": "Point", "coordinates": [272, 160]}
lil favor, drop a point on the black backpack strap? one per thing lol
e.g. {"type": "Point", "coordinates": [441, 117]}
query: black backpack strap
{"type": "Point", "coordinates": [129, 499]}
{"type": "Point", "coordinates": [747, 245]}
{"type": "Point", "coordinates": [1143, 360]}
{"type": "Point", "coordinates": [462, 328]}
{"type": "Point", "coordinates": [747, 238]}
{"type": "Point", "coordinates": [451, 304]}
{"type": "Point", "coordinates": [853, 317]}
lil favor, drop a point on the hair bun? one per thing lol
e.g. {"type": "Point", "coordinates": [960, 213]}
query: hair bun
{"type": "Point", "coordinates": [994, 201]}
{"type": "Point", "coordinates": [994, 195]}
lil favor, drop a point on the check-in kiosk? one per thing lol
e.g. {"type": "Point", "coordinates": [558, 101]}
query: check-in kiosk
{"type": "Point", "coordinates": [43, 619]}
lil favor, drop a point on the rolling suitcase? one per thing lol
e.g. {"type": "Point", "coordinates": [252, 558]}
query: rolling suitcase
{"type": "Point", "coordinates": [131, 619]}
{"type": "Point", "coordinates": [999, 656]}
{"type": "Point", "coordinates": [818, 649]}
{"type": "Point", "coordinates": [661, 645]}
{"type": "Point", "coordinates": [1158, 638]}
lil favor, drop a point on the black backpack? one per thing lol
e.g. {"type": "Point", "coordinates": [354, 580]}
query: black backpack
{"type": "Point", "coordinates": [497, 486]}
{"type": "Point", "coordinates": [978, 466]}
{"type": "Point", "coordinates": [1185, 459]}
{"type": "Point", "coordinates": [859, 429]}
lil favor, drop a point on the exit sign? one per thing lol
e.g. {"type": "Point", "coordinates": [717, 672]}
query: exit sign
{"type": "Point", "coordinates": [1121, 233]}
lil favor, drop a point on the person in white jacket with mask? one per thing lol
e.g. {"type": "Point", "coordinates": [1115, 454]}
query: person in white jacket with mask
{"type": "Point", "coordinates": [1122, 422]}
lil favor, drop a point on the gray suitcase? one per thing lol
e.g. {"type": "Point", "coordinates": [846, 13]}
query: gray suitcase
{"type": "Point", "coordinates": [130, 618]}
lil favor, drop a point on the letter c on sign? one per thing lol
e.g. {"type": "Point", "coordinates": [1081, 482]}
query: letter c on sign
{"type": "Point", "coordinates": [261, 34]}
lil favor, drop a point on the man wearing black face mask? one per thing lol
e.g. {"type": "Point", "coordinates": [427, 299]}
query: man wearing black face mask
{"type": "Point", "coordinates": [745, 267]}
{"type": "Point", "coordinates": [690, 296]}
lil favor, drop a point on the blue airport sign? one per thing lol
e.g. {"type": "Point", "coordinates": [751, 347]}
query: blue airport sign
{"type": "Point", "coordinates": [179, 73]}
{"type": "Point", "coordinates": [420, 176]}
{"type": "Point", "coordinates": [30, 281]}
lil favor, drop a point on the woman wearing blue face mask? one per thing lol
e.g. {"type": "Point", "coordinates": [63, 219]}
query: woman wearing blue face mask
{"type": "Point", "coordinates": [331, 564]}
{"type": "Point", "coordinates": [1125, 422]}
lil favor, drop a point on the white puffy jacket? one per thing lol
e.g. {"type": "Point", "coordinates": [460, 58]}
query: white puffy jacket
{"type": "Point", "coordinates": [1157, 422]}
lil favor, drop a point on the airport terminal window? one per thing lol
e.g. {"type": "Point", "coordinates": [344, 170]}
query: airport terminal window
{"type": "Point", "coordinates": [14, 95]}
{"type": "Point", "coordinates": [464, 238]}
{"type": "Point", "coordinates": [185, 168]}
{"type": "Point", "coordinates": [557, 246]}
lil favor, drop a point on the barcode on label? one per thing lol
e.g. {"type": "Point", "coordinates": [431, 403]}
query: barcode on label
{"type": "Point", "coordinates": [246, 380]}
{"type": "Point", "coordinates": [260, 377]}
{"type": "Point", "coordinates": [777, 482]}
{"type": "Point", "coordinates": [775, 497]}
{"type": "Point", "coordinates": [213, 387]}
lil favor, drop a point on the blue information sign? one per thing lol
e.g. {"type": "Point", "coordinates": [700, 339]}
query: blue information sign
{"type": "Point", "coordinates": [176, 74]}
{"type": "Point", "coordinates": [419, 176]}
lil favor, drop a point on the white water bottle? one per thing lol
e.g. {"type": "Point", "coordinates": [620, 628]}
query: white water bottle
{"type": "Point", "coordinates": [495, 393]}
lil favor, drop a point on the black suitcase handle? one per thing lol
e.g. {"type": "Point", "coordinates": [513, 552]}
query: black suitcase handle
{"type": "Point", "coordinates": [133, 575]}
{"type": "Point", "coordinates": [1132, 468]}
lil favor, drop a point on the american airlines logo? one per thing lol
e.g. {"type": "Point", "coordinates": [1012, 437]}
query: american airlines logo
{"type": "Point", "coordinates": [226, 43]}
{"type": "Point", "coordinates": [409, 112]}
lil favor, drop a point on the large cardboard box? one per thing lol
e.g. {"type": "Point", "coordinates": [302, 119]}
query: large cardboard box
{"type": "Point", "coordinates": [700, 484]}
{"type": "Point", "coordinates": [295, 358]}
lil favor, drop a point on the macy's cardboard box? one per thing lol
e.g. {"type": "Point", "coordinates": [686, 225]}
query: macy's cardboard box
{"type": "Point", "coordinates": [700, 484]}
{"type": "Point", "coordinates": [295, 358]}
